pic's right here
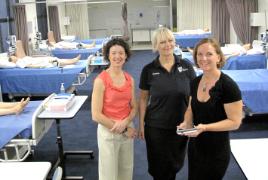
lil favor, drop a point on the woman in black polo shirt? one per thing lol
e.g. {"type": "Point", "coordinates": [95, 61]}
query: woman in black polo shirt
{"type": "Point", "coordinates": [164, 96]}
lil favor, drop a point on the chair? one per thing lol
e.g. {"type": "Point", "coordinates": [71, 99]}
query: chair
{"type": "Point", "coordinates": [57, 174]}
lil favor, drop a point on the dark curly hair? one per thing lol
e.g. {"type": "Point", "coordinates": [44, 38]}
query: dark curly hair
{"type": "Point", "coordinates": [113, 42]}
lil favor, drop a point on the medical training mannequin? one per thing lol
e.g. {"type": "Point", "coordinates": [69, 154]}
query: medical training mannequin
{"type": "Point", "coordinates": [237, 50]}
{"type": "Point", "coordinates": [13, 107]}
{"type": "Point", "coordinates": [67, 45]}
{"type": "Point", "coordinates": [23, 61]}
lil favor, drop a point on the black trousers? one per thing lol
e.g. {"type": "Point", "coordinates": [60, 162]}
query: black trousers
{"type": "Point", "coordinates": [165, 152]}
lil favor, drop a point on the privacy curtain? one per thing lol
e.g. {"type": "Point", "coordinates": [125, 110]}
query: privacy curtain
{"type": "Point", "coordinates": [220, 23]}
{"type": "Point", "coordinates": [21, 26]}
{"type": "Point", "coordinates": [125, 25]}
{"type": "Point", "coordinates": [1, 40]}
{"type": "Point", "coordinates": [193, 14]}
{"type": "Point", "coordinates": [239, 11]}
{"type": "Point", "coordinates": [79, 22]}
{"type": "Point", "coordinates": [54, 23]}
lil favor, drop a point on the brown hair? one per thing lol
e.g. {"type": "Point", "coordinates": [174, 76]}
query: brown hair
{"type": "Point", "coordinates": [113, 42]}
{"type": "Point", "coordinates": [213, 42]}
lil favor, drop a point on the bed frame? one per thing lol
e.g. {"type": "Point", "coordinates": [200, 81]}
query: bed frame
{"type": "Point", "coordinates": [20, 149]}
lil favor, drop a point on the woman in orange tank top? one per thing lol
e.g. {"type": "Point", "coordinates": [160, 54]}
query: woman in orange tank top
{"type": "Point", "coordinates": [113, 108]}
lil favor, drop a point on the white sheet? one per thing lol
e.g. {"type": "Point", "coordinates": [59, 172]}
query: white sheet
{"type": "Point", "coordinates": [252, 157]}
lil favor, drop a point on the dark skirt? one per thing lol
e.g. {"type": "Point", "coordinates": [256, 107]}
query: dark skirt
{"type": "Point", "coordinates": [208, 156]}
{"type": "Point", "coordinates": [165, 152]}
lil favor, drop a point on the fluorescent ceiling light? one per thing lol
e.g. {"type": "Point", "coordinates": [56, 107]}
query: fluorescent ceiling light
{"type": "Point", "coordinates": [69, 2]}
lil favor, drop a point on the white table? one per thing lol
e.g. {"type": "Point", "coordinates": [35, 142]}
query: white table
{"type": "Point", "coordinates": [78, 102]}
{"type": "Point", "coordinates": [97, 61]}
{"type": "Point", "coordinates": [252, 157]}
{"type": "Point", "coordinates": [62, 116]}
{"type": "Point", "coordinates": [24, 170]}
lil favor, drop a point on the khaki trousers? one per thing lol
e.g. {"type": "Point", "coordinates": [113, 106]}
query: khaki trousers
{"type": "Point", "coordinates": [115, 155]}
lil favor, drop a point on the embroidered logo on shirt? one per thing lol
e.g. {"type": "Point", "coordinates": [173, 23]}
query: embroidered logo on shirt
{"type": "Point", "coordinates": [156, 73]}
{"type": "Point", "coordinates": [181, 69]}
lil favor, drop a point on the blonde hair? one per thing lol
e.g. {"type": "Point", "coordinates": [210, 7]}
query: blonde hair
{"type": "Point", "coordinates": [162, 33]}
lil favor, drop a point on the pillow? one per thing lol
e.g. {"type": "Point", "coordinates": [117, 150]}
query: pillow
{"type": "Point", "coordinates": [255, 51]}
{"type": "Point", "coordinates": [3, 55]}
{"type": "Point", "coordinates": [4, 63]}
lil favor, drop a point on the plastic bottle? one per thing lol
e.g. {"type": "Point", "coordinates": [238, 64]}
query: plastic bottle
{"type": "Point", "coordinates": [30, 44]}
{"type": "Point", "coordinates": [62, 89]}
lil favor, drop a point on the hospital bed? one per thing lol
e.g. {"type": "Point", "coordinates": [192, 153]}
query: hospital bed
{"type": "Point", "coordinates": [188, 56]}
{"type": "Point", "coordinates": [20, 133]}
{"type": "Point", "coordinates": [98, 41]}
{"type": "Point", "coordinates": [72, 53]}
{"type": "Point", "coordinates": [254, 87]}
{"type": "Point", "coordinates": [189, 40]}
{"type": "Point", "coordinates": [255, 61]}
{"type": "Point", "coordinates": [84, 52]}
{"type": "Point", "coordinates": [42, 81]}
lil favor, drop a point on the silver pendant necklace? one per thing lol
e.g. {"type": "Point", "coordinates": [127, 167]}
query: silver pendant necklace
{"type": "Point", "coordinates": [204, 87]}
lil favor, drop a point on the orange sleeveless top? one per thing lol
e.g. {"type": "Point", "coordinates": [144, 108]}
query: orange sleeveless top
{"type": "Point", "coordinates": [116, 100]}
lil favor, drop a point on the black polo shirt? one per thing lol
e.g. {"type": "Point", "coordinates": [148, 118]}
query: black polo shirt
{"type": "Point", "coordinates": [168, 92]}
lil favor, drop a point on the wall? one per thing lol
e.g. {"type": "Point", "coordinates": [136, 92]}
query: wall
{"type": "Point", "coordinates": [106, 19]}
{"type": "Point", "coordinates": [263, 6]}
{"type": "Point", "coordinates": [143, 14]}
{"type": "Point", "coordinates": [154, 13]}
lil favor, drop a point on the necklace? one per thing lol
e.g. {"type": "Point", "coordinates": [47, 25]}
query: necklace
{"type": "Point", "coordinates": [207, 83]}
{"type": "Point", "coordinates": [204, 87]}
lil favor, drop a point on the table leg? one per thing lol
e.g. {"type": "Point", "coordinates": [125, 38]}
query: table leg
{"type": "Point", "coordinates": [63, 154]}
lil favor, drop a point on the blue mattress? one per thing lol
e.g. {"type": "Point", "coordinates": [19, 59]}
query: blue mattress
{"type": "Point", "coordinates": [188, 56]}
{"type": "Point", "coordinates": [39, 81]}
{"type": "Point", "coordinates": [184, 40]}
{"type": "Point", "coordinates": [13, 125]}
{"type": "Point", "coordinates": [254, 87]}
{"type": "Point", "coordinates": [98, 41]}
{"type": "Point", "coordinates": [256, 61]}
{"type": "Point", "coordinates": [71, 53]}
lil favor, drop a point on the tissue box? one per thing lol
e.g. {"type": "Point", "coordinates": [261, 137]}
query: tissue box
{"type": "Point", "coordinates": [60, 102]}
